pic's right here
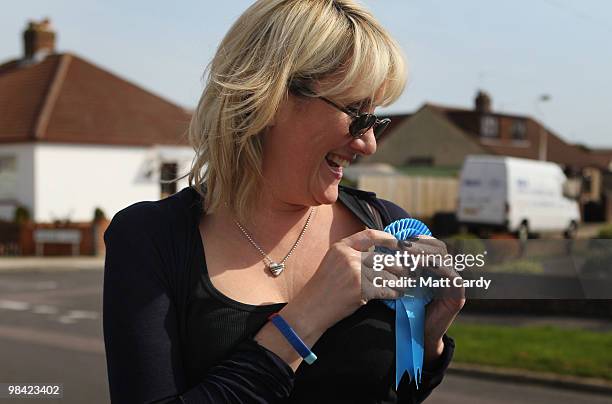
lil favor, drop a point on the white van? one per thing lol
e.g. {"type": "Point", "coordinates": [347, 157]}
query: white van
{"type": "Point", "coordinates": [517, 195]}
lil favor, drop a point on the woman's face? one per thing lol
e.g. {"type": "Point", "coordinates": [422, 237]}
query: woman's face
{"type": "Point", "coordinates": [306, 148]}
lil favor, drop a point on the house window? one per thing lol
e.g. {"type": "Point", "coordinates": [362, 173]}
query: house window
{"type": "Point", "coordinates": [587, 184]}
{"type": "Point", "coordinates": [519, 130]}
{"type": "Point", "coordinates": [489, 126]}
{"type": "Point", "coordinates": [168, 173]}
{"type": "Point", "coordinates": [8, 177]}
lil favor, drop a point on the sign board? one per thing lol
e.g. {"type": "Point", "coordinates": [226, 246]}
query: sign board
{"type": "Point", "coordinates": [65, 236]}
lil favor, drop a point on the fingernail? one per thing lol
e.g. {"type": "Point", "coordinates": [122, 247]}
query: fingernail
{"type": "Point", "coordinates": [404, 244]}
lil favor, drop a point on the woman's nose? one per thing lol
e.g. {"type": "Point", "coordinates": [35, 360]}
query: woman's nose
{"type": "Point", "coordinates": [365, 145]}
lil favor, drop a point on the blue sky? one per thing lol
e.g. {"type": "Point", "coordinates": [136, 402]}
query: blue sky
{"type": "Point", "coordinates": [515, 50]}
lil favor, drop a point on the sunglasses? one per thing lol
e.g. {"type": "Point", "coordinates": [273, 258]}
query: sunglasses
{"type": "Point", "coordinates": [360, 123]}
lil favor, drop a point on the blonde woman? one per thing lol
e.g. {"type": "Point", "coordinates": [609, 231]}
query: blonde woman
{"type": "Point", "coordinates": [246, 286]}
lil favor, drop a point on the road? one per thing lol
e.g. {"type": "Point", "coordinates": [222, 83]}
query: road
{"type": "Point", "coordinates": [50, 331]}
{"type": "Point", "coordinates": [461, 389]}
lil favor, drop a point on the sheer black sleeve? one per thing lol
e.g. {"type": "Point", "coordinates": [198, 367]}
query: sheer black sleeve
{"type": "Point", "coordinates": [141, 333]}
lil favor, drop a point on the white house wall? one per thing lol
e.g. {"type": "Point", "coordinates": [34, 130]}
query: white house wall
{"type": "Point", "coordinates": [72, 180]}
{"type": "Point", "coordinates": [17, 188]}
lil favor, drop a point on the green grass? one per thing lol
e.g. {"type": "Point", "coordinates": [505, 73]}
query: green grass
{"type": "Point", "coordinates": [543, 348]}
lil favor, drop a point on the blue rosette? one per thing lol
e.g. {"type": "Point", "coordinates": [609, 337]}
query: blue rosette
{"type": "Point", "coordinates": [409, 312]}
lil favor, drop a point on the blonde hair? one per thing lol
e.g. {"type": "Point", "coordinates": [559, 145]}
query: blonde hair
{"type": "Point", "coordinates": [335, 43]}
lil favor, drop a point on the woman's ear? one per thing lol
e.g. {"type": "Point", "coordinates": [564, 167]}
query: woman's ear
{"type": "Point", "coordinates": [284, 110]}
{"type": "Point", "coordinates": [273, 120]}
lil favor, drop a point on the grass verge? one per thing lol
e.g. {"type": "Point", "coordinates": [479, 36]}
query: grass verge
{"type": "Point", "coordinates": [543, 348]}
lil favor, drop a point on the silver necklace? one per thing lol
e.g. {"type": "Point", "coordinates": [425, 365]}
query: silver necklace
{"type": "Point", "coordinates": [276, 267]}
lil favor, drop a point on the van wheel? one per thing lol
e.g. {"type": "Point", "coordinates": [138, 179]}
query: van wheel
{"type": "Point", "coordinates": [523, 232]}
{"type": "Point", "coordinates": [571, 231]}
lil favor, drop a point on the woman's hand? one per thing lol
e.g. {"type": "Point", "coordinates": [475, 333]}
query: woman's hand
{"type": "Point", "coordinates": [342, 282]}
{"type": "Point", "coordinates": [447, 302]}
{"type": "Point", "coordinates": [333, 293]}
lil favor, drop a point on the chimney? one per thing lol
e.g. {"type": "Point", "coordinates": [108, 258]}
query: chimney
{"type": "Point", "coordinates": [482, 102]}
{"type": "Point", "coordinates": [38, 39]}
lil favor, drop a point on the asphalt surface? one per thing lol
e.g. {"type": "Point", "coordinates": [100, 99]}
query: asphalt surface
{"type": "Point", "coordinates": [51, 332]}
{"type": "Point", "coordinates": [460, 389]}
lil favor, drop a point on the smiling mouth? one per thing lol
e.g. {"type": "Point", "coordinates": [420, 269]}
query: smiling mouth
{"type": "Point", "coordinates": [336, 161]}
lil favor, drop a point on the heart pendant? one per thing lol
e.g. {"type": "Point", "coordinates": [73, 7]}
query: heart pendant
{"type": "Point", "coordinates": [276, 268]}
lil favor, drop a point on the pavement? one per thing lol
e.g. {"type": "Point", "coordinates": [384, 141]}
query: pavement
{"type": "Point", "coordinates": [50, 264]}
{"type": "Point", "coordinates": [588, 230]}
{"type": "Point", "coordinates": [458, 389]}
{"type": "Point", "coordinates": [526, 377]}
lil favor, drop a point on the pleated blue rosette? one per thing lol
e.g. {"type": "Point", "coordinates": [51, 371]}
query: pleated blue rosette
{"type": "Point", "coordinates": [409, 312]}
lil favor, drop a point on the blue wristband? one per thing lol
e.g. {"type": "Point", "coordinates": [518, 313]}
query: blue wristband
{"type": "Point", "coordinates": [293, 338]}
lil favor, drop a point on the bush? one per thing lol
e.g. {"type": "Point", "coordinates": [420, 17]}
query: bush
{"type": "Point", "coordinates": [465, 243]}
{"type": "Point", "coordinates": [522, 266]}
{"type": "Point", "coordinates": [605, 231]}
{"type": "Point", "coordinates": [22, 215]}
{"type": "Point", "coordinates": [99, 214]}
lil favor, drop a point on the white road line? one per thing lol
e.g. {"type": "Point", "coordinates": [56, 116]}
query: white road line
{"type": "Point", "coordinates": [14, 305]}
{"type": "Point", "coordinates": [92, 315]}
{"type": "Point", "coordinates": [70, 317]}
{"type": "Point", "coordinates": [66, 320]}
{"type": "Point", "coordinates": [73, 315]}
{"type": "Point", "coordinates": [44, 309]}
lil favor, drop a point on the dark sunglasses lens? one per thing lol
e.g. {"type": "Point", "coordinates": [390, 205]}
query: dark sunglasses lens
{"type": "Point", "coordinates": [362, 124]}
{"type": "Point", "coordinates": [380, 127]}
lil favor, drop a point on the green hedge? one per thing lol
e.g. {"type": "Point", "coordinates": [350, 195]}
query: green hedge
{"type": "Point", "coordinates": [605, 231]}
{"type": "Point", "coordinates": [522, 266]}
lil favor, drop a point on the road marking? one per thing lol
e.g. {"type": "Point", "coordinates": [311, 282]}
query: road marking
{"type": "Point", "coordinates": [14, 305]}
{"type": "Point", "coordinates": [48, 296]}
{"type": "Point", "coordinates": [53, 339]}
{"type": "Point", "coordinates": [73, 315]}
{"type": "Point", "coordinates": [83, 314]}
{"type": "Point", "coordinates": [44, 309]}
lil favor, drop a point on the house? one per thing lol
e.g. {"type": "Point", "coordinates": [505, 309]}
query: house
{"type": "Point", "coordinates": [75, 137]}
{"type": "Point", "coordinates": [442, 136]}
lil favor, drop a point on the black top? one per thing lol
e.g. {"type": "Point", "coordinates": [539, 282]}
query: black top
{"type": "Point", "coordinates": [172, 337]}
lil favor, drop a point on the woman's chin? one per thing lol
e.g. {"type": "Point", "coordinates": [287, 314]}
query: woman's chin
{"type": "Point", "coordinates": [326, 192]}
{"type": "Point", "coordinates": [330, 195]}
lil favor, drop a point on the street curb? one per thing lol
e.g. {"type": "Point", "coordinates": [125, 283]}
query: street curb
{"type": "Point", "coordinates": [50, 264]}
{"type": "Point", "coordinates": [591, 385]}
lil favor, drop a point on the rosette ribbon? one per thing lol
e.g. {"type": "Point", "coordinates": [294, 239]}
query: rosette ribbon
{"type": "Point", "coordinates": [409, 312]}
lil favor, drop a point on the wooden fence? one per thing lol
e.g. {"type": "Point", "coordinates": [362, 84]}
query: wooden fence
{"type": "Point", "coordinates": [421, 197]}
